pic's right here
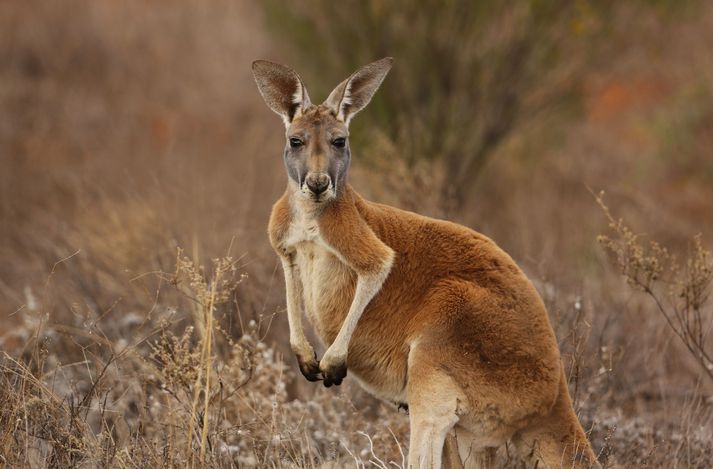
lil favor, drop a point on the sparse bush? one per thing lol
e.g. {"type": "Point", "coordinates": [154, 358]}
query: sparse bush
{"type": "Point", "coordinates": [679, 289]}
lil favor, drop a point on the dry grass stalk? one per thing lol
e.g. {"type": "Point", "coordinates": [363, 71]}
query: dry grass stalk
{"type": "Point", "coordinates": [207, 294]}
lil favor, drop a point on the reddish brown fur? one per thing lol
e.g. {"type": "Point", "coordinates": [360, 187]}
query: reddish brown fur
{"type": "Point", "coordinates": [455, 330]}
{"type": "Point", "coordinates": [474, 310]}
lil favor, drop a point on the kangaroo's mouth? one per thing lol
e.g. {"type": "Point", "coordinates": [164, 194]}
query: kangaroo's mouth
{"type": "Point", "coordinates": [320, 198]}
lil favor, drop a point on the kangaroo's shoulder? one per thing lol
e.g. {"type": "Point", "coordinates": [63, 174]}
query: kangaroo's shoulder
{"type": "Point", "coordinates": [388, 221]}
{"type": "Point", "coordinates": [442, 245]}
{"type": "Point", "coordinates": [280, 220]}
{"type": "Point", "coordinates": [345, 230]}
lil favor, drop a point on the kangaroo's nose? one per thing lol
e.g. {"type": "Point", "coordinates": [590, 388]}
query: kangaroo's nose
{"type": "Point", "coordinates": [317, 182]}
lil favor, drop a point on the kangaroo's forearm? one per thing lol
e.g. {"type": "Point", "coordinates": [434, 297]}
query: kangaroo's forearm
{"type": "Point", "coordinates": [368, 285]}
{"type": "Point", "coordinates": [366, 255]}
{"type": "Point", "coordinates": [293, 287]}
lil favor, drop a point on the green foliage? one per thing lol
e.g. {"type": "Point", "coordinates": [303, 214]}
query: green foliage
{"type": "Point", "coordinates": [684, 132]}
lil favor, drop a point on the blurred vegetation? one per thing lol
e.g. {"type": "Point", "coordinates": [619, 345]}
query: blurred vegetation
{"type": "Point", "coordinates": [467, 74]}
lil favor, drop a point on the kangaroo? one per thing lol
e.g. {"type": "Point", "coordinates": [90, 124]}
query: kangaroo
{"type": "Point", "coordinates": [424, 313]}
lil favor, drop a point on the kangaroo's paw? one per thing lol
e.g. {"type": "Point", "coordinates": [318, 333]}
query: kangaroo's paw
{"type": "Point", "coordinates": [333, 368]}
{"type": "Point", "coordinates": [309, 367]}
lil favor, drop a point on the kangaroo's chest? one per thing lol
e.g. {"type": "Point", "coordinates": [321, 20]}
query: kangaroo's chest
{"type": "Point", "coordinates": [327, 283]}
{"type": "Point", "coordinates": [328, 287]}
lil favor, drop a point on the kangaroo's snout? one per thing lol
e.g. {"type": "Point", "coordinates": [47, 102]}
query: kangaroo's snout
{"type": "Point", "coordinates": [317, 182]}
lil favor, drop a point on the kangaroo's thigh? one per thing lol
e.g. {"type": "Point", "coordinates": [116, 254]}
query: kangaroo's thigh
{"type": "Point", "coordinates": [507, 371]}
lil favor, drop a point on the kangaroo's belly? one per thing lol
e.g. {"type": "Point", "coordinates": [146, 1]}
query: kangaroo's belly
{"type": "Point", "coordinates": [377, 358]}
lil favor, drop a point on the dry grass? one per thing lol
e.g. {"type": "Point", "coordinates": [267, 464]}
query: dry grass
{"type": "Point", "coordinates": [130, 129]}
{"type": "Point", "coordinates": [178, 390]}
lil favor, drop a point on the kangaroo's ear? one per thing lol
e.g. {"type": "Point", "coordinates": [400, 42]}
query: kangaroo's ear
{"type": "Point", "coordinates": [282, 89]}
{"type": "Point", "coordinates": [354, 93]}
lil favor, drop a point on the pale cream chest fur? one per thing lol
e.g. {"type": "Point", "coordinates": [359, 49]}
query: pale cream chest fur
{"type": "Point", "coordinates": [327, 283]}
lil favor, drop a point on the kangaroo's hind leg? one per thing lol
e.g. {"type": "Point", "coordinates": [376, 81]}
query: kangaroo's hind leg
{"type": "Point", "coordinates": [465, 446]}
{"type": "Point", "coordinates": [556, 440]}
{"type": "Point", "coordinates": [435, 404]}
{"type": "Point", "coordinates": [451, 456]}
{"type": "Point", "coordinates": [462, 452]}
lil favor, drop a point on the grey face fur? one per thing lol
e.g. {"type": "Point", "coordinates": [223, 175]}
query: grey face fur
{"type": "Point", "coordinates": [317, 152]}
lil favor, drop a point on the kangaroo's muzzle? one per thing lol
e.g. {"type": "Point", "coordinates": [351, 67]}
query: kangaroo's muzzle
{"type": "Point", "coordinates": [317, 183]}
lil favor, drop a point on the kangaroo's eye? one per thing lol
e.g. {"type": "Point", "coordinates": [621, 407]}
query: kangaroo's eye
{"type": "Point", "coordinates": [339, 142]}
{"type": "Point", "coordinates": [295, 142]}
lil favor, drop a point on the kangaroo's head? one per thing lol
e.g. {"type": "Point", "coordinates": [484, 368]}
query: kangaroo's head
{"type": "Point", "coordinates": [317, 152]}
